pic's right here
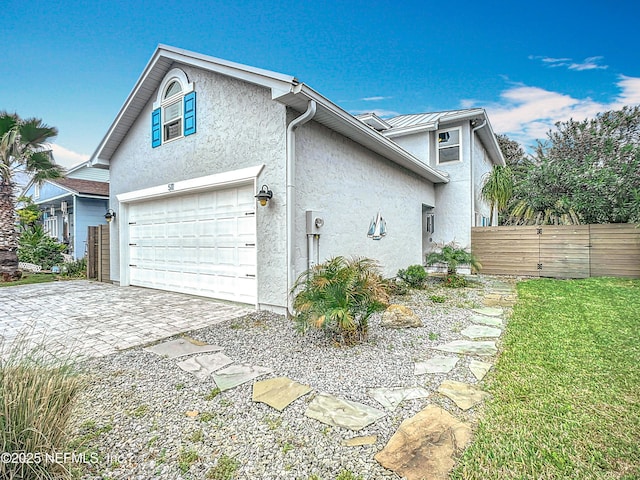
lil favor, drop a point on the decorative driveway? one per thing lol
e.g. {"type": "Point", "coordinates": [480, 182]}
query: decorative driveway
{"type": "Point", "coordinates": [94, 319]}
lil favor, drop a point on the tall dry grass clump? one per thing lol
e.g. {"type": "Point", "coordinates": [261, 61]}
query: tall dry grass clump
{"type": "Point", "coordinates": [37, 393]}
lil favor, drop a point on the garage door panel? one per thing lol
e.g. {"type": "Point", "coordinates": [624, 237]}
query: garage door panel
{"type": "Point", "coordinates": [201, 243]}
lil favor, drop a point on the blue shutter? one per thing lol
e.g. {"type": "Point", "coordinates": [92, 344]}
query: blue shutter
{"type": "Point", "coordinates": [190, 113]}
{"type": "Point", "coordinates": [156, 128]}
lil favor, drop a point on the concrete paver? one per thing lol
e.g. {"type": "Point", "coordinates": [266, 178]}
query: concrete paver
{"type": "Point", "coordinates": [96, 319]}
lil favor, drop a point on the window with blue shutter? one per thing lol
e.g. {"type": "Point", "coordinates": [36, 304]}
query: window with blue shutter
{"type": "Point", "coordinates": [190, 114]}
{"type": "Point", "coordinates": [156, 129]}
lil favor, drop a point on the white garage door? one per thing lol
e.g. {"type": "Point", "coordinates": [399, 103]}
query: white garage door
{"type": "Point", "coordinates": [202, 244]}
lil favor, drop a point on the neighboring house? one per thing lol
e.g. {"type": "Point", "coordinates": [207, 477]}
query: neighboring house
{"type": "Point", "coordinates": [198, 137]}
{"type": "Point", "coordinates": [69, 205]}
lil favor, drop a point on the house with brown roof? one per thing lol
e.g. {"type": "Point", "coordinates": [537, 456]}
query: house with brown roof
{"type": "Point", "coordinates": [70, 205]}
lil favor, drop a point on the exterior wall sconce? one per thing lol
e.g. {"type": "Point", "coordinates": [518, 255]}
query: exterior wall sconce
{"type": "Point", "coordinates": [110, 215]}
{"type": "Point", "coordinates": [264, 195]}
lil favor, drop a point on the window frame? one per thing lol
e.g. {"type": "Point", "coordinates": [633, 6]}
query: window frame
{"type": "Point", "coordinates": [162, 103]}
{"type": "Point", "coordinates": [458, 145]}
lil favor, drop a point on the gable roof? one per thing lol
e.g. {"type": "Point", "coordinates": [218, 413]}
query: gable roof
{"type": "Point", "coordinates": [421, 122]}
{"type": "Point", "coordinates": [82, 187]}
{"type": "Point", "coordinates": [285, 89]}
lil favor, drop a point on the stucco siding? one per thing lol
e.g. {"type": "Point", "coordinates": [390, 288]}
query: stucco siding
{"type": "Point", "coordinates": [481, 168]}
{"type": "Point", "coordinates": [238, 126]}
{"type": "Point", "coordinates": [350, 185]}
{"type": "Point", "coordinates": [418, 145]}
{"type": "Point", "coordinates": [453, 210]}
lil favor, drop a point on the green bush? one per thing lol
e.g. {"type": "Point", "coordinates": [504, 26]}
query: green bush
{"type": "Point", "coordinates": [39, 248]}
{"type": "Point", "coordinates": [453, 256]}
{"type": "Point", "coordinates": [339, 296]}
{"type": "Point", "coordinates": [75, 269]}
{"type": "Point", "coordinates": [455, 281]}
{"type": "Point", "coordinates": [414, 276]}
{"type": "Point", "coordinates": [36, 397]}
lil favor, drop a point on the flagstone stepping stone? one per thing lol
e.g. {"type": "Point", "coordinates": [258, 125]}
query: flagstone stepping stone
{"type": "Point", "coordinates": [337, 412]}
{"type": "Point", "coordinates": [484, 320]}
{"type": "Point", "coordinates": [181, 347]}
{"type": "Point", "coordinates": [490, 311]}
{"type": "Point", "coordinates": [237, 375]}
{"type": "Point", "coordinates": [464, 395]}
{"type": "Point", "coordinates": [436, 365]}
{"type": "Point", "coordinates": [278, 392]}
{"type": "Point", "coordinates": [425, 445]}
{"type": "Point", "coordinates": [479, 369]}
{"type": "Point", "coordinates": [359, 441]}
{"type": "Point", "coordinates": [481, 331]}
{"type": "Point", "coordinates": [469, 347]}
{"type": "Point", "coordinates": [205, 365]}
{"type": "Point", "coordinates": [390, 398]}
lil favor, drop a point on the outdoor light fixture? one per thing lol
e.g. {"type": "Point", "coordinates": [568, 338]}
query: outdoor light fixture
{"type": "Point", "coordinates": [110, 215]}
{"type": "Point", "coordinates": [264, 195]}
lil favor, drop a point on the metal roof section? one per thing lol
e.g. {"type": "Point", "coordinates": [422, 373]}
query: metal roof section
{"type": "Point", "coordinates": [284, 88]}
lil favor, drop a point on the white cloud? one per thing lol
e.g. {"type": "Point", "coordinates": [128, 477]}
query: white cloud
{"type": "Point", "coordinates": [589, 63]}
{"type": "Point", "coordinates": [526, 113]}
{"type": "Point", "coordinates": [67, 158]}
{"type": "Point", "coordinates": [374, 99]}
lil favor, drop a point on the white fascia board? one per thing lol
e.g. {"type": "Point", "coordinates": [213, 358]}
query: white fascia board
{"type": "Point", "coordinates": [410, 130]}
{"type": "Point", "coordinates": [392, 150]}
{"type": "Point", "coordinates": [42, 201]}
{"type": "Point", "coordinates": [226, 179]}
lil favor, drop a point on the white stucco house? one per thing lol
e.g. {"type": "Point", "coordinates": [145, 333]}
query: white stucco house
{"type": "Point", "coordinates": [198, 138]}
{"type": "Point", "coordinates": [70, 205]}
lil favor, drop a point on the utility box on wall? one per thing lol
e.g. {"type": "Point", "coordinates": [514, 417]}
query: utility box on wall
{"type": "Point", "coordinates": [315, 222]}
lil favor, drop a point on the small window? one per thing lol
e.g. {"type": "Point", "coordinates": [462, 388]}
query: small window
{"type": "Point", "coordinates": [449, 146]}
{"type": "Point", "coordinates": [174, 111]}
{"type": "Point", "coordinates": [172, 120]}
{"type": "Point", "coordinates": [36, 190]}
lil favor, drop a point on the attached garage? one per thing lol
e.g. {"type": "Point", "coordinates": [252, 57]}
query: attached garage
{"type": "Point", "coordinates": [200, 243]}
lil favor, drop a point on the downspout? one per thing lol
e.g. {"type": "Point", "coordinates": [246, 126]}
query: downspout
{"type": "Point", "coordinates": [291, 172]}
{"type": "Point", "coordinates": [473, 183]}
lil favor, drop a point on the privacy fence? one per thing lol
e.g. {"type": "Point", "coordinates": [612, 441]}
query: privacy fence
{"type": "Point", "coordinates": [567, 251]}
{"type": "Point", "coordinates": [98, 253]}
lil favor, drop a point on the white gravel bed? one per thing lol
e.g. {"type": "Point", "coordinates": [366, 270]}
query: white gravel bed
{"type": "Point", "coordinates": [134, 413]}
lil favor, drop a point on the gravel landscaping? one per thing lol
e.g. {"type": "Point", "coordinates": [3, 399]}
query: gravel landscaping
{"type": "Point", "coordinates": [139, 412]}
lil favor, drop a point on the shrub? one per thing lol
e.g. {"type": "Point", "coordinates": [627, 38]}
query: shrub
{"type": "Point", "coordinates": [455, 281]}
{"type": "Point", "coordinates": [36, 397]}
{"type": "Point", "coordinates": [339, 296]}
{"type": "Point", "coordinates": [75, 269]}
{"type": "Point", "coordinates": [414, 276]}
{"type": "Point", "coordinates": [453, 256]}
{"type": "Point", "coordinates": [39, 248]}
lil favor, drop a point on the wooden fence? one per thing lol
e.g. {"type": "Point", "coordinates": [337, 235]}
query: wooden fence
{"type": "Point", "coordinates": [567, 251]}
{"type": "Point", "coordinates": [98, 253]}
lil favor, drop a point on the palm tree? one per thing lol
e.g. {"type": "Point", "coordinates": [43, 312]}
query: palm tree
{"type": "Point", "coordinates": [498, 188]}
{"type": "Point", "coordinates": [23, 149]}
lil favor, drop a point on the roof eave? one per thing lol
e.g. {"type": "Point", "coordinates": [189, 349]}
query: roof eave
{"type": "Point", "coordinates": [351, 127]}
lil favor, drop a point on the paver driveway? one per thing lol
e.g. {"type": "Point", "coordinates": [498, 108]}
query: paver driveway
{"type": "Point", "coordinates": [95, 319]}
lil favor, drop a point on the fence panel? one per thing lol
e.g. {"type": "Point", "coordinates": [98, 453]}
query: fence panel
{"type": "Point", "coordinates": [615, 250]}
{"type": "Point", "coordinates": [98, 253]}
{"type": "Point", "coordinates": [564, 251]}
{"type": "Point", "coordinates": [571, 251]}
{"type": "Point", "coordinates": [507, 250]}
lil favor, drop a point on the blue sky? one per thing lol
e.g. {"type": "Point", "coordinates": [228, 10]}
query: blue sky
{"type": "Point", "coordinates": [529, 64]}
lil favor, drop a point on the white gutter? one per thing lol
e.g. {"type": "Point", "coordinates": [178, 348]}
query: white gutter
{"type": "Point", "coordinates": [291, 172]}
{"type": "Point", "coordinates": [473, 185]}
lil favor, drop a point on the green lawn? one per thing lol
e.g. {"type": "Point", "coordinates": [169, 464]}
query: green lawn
{"type": "Point", "coordinates": [28, 278]}
{"type": "Point", "coordinates": [566, 387]}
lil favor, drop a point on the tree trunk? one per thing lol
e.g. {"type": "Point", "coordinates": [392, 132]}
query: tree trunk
{"type": "Point", "coordinates": [9, 270]}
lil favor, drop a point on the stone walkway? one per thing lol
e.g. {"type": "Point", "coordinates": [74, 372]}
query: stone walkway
{"type": "Point", "coordinates": [96, 319]}
{"type": "Point", "coordinates": [424, 445]}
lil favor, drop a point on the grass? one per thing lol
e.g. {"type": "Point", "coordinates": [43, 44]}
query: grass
{"type": "Point", "coordinates": [225, 469]}
{"type": "Point", "coordinates": [566, 388]}
{"type": "Point", "coordinates": [29, 278]}
{"type": "Point", "coordinates": [37, 393]}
